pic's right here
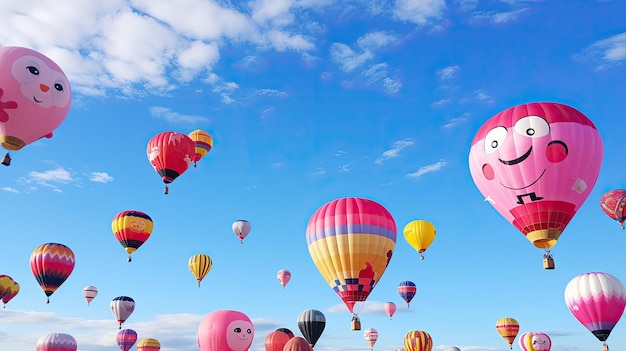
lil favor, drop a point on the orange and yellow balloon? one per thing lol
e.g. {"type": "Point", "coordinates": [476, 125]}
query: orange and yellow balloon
{"type": "Point", "coordinates": [508, 329]}
{"type": "Point", "coordinates": [420, 234]}
{"type": "Point", "coordinates": [148, 344]}
{"type": "Point", "coordinates": [132, 229]}
{"type": "Point", "coordinates": [203, 143]}
{"type": "Point", "coordinates": [200, 265]}
{"type": "Point", "coordinates": [418, 340]}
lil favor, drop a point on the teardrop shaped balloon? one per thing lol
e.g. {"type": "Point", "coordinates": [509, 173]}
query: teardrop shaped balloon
{"type": "Point", "coordinates": [51, 265]}
{"type": "Point", "coordinates": [200, 265]}
{"type": "Point", "coordinates": [597, 300]}
{"type": "Point", "coordinates": [370, 335]}
{"type": "Point", "coordinates": [89, 293]}
{"type": "Point", "coordinates": [122, 307]}
{"type": "Point", "coordinates": [283, 276]}
{"type": "Point", "coordinates": [126, 338]}
{"type": "Point", "coordinates": [11, 293]}
{"type": "Point", "coordinates": [170, 154]}
{"type": "Point", "coordinates": [535, 341]}
{"type": "Point", "coordinates": [225, 330]}
{"type": "Point", "coordinates": [536, 164]}
{"type": "Point", "coordinates": [613, 204]}
{"type": "Point", "coordinates": [56, 342]}
{"type": "Point", "coordinates": [390, 308]}
{"type": "Point", "coordinates": [203, 143]}
{"type": "Point", "coordinates": [420, 234]}
{"type": "Point", "coordinates": [311, 324]}
{"type": "Point", "coordinates": [242, 228]}
{"type": "Point", "coordinates": [297, 344]}
{"type": "Point", "coordinates": [507, 328]}
{"type": "Point", "coordinates": [351, 241]}
{"type": "Point", "coordinates": [132, 229]}
{"type": "Point", "coordinates": [407, 291]}
{"type": "Point", "coordinates": [148, 344]}
{"type": "Point", "coordinates": [418, 340]}
{"type": "Point", "coordinates": [276, 340]}
{"type": "Point", "coordinates": [35, 97]}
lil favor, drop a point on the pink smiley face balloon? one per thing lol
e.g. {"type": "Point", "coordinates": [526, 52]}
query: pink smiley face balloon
{"type": "Point", "coordinates": [536, 163]}
{"type": "Point", "coordinates": [535, 341]}
{"type": "Point", "coordinates": [35, 97]}
{"type": "Point", "coordinates": [225, 330]}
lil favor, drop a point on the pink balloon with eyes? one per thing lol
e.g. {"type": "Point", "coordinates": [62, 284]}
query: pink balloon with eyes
{"type": "Point", "coordinates": [225, 330]}
{"type": "Point", "coordinates": [35, 96]}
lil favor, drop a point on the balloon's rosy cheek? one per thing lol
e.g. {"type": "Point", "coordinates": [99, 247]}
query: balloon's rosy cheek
{"type": "Point", "coordinates": [556, 151]}
{"type": "Point", "coordinates": [488, 172]}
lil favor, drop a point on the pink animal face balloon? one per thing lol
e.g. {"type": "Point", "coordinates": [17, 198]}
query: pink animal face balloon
{"type": "Point", "coordinates": [225, 330]}
{"type": "Point", "coordinates": [536, 164]}
{"type": "Point", "coordinates": [35, 97]}
{"type": "Point", "coordinates": [535, 341]}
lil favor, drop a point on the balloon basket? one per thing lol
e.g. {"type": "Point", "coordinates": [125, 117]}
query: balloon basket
{"type": "Point", "coordinates": [6, 160]}
{"type": "Point", "coordinates": [548, 261]}
{"type": "Point", "coordinates": [605, 347]}
{"type": "Point", "coordinates": [356, 324]}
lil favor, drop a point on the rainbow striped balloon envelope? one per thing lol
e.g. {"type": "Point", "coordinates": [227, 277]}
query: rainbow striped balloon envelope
{"type": "Point", "coordinates": [418, 340]}
{"type": "Point", "coordinates": [351, 241]}
{"type": "Point", "coordinates": [51, 265]}
{"type": "Point", "coordinates": [56, 342]}
{"type": "Point", "coordinates": [148, 344]}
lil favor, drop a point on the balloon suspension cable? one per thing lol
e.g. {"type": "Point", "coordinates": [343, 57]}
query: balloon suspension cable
{"type": "Point", "coordinates": [47, 299]}
{"type": "Point", "coordinates": [421, 256]}
{"type": "Point", "coordinates": [622, 225]}
{"type": "Point", "coordinates": [198, 283]}
{"type": "Point", "coordinates": [166, 190]}
{"type": "Point", "coordinates": [130, 259]}
{"type": "Point", "coordinates": [194, 165]}
{"type": "Point", "coordinates": [547, 253]}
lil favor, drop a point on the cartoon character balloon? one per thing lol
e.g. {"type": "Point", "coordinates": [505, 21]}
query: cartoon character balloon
{"type": "Point", "coordinates": [283, 276]}
{"type": "Point", "coordinates": [35, 97]}
{"type": "Point", "coordinates": [597, 300]}
{"type": "Point", "coordinates": [351, 241]}
{"type": "Point", "coordinates": [51, 265]}
{"type": "Point", "coordinates": [170, 154]}
{"type": "Point", "coordinates": [370, 335]}
{"type": "Point", "coordinates": [418, 340]}
{"type": "Point", "coordinates": [56, 342]}
{"type": "Point", "coordinates": [126, 338]}
{"type": "Point", "coordinates": [535, 341]}
{"type": "Point", "coordinates": [200, 265]}
{"type": "Point", "coordinates": [420, 234]}
{"type": "Point", "coordinates": [132, 229]}
{"type": "Point", "coordinates": [225, 330]}
{"type": "Point", "coordinates": [508, 328]}
{"type": "Point", "coordinates": [122, 307]}
{"type": "Point", "coordinates": [536, 163]}
{"type": "Point", "coordinates": [89, 293]}
{"type": "Point", "coordinates": [390, 308]}
{"type": "Point", "coordinates": [241, 228]}
{"type": "Point", "coordinates": [276, 340]}
{"type": "Point", "coordinates": [613, 204]}
{"type": "Point", "coordinates": [203, 143]}
{"type": "Point", "coordinates": [148, 344]}
{"type": "Point", "coordinates": [407, 291]}
{"type": "Point", "coordinates": [311, 324]}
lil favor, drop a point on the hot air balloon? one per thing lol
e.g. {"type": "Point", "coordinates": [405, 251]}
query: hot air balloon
{"type": "Point", "coordinates": [170, 154]}
{"type": "Point", "coordinates": [286, 331]}
{"type": "Point", "coordinates": [241, 228]}
{"type": "Point", "coordinates": [508, 329]}
{"type": "Point", "coordinates": [311, 324]}
{"type": "Point", "coordinates": [90, 293]}
{"type": "Point", "coordinates": [203, 143]}
{"type": "Point", "coordinates": [535, 341]}
{"type": "Point", "coordinates": [6, 283]}
{"type": "Point", "coordinates": [297, 344]}
{"type": "Point", "coordinates": [390, 308]}
{"type": "Point", "coordinates": [420, 234]}
{"type": "Point", "coordinates": [35, 97]}
{"type": "Point", "coordinates": [452, 348]}
{"type": "Point", "coordinates": [51, 265]}
{"type": "Point", "coordinates": [148, 344]}
{"type": "Point", "coordinates": [13, 291]}
{"type": "Point", "coordinates": [418, 340]}
{"type": "Point", "coordinates": [407, 291]}
{"type": "Point", "coordinates": [351, 241]}
{"type": "Point", "coordinates": [200, 265]}
{"type": "Point", "coordinates": [122, 307]}
{"type": "Point", "coordinates": [613, 204]}
{"type": "Point", "coordinates": [536, 163]}
{"type": "Point", "coordinates": [225, 330]}
{"type": "Point", "coordinates": [283, 277]}
{"type": "Point", "coordinates": [370, 335]}
{"type": "Point", "coordinates": [597, 300]}
{"type": "Point", "coordinates": [276, 340]}
{"type": "Point", "coordinates": [126, 338]}
{"type": "Point", "coordinates": [56, 342]}
{"type": "Point", "coordinates": [132, 229]}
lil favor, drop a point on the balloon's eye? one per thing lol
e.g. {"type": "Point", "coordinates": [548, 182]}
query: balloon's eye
{"type": "Point", "coordinates": [494, 139]}
{"type": "Point", "coordinates": [532, 126]}
{"type": "Point", "coordinates": [237, 330]}
{"type": "Point", "coordinates": [33, 70]}
{"type": "Point", "coordinates": [58, 87]}
{"type": "Point", "coordinates": [249, 331]}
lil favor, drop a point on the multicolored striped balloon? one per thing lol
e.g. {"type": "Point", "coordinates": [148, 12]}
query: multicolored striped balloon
{"type": "Point", "coordinates": [56, 342]}
{"type": "Point", "coordinates": [148, 344]}
{"type": "Point", "coordinates": [508, 328]}
{"type": "Point", "coordinates": [597, 300]}
{"type": "Point", "coordinates": [200, 265]}
{"type": "Point", "coordinates": [351, 241]}
{"type": "Point", "coordinates": [370, 335]}
{"type": "Point", "coordinates": [535, 341]}
{"type": "Point", "coordinates": [407, 291]}
{"type": "Point", "coordinates": [89, 293]}
{"type": "Point", "coordinates": [126, 338]}
{"type": "Point", "coordinates": [132, 229]}
{"type": "Point", "coordinates": [418, 340]}
{"type": "Point", "coordinates": [203, 143]}
{"type": "Point", "coordinates": [13, 291]}
{"type": "Point", "coordinates": [51, 265]}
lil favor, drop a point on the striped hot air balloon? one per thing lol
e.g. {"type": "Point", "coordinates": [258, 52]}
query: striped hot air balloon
{"type": "Point", "coordinates": [122, 307]}
{"type": "Point", "coordinates": [132, 229]}
{"type": "Point", "coordinates": [56, 342]}
{"type": "Point", "coordinates": [418, 340]}
{"type": "Point", "coordinates": [370, 335]}
{"type": "Point", "coordinates": [535, 341]}
{"type": "Point", "coordinates": [203, 143]}
{"type": "Point", "coordinates": [51, 265]}
{"type": "Point", "coordinates": [13, 291]}
{"type": "Point", "coordinates": [407, 291]}
{"type": "Point", "coordinates": [148, 344]}
{"type": "Point", "coordinates": [351, 241]}
{"type": "Point", "coordinates": [6, 283]}
{"type": "Point", "coordinates": [200, 265]}
{"type": "Point", "coordinates": [508, 329]}
{"type": "Point", "coordinates": [311, 324]}
{"type": "Point", "coordinates": [126, 338]}
{"type": "Point", "coordinates": [89, 293]}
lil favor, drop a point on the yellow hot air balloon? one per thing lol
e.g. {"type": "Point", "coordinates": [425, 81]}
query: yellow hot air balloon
{"type": "Point", "coordinates": [420, 234]}
{"type": "Point", "coordinates": [200, 265]}
{"type": "Point", "coordinates": [508, 329]}
{"type": "Point", "coordinates": [203, 142]}
{"type": "Point", "coordinates": [148, 344]}
{"type": "Point", "coordinates": [418, 340]}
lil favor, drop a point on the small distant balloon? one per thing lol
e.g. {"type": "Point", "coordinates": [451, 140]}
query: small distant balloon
{"type": "Point", "coordinates": [311, 324]}
{"type": "Point", "coordinates": [148, 344]}
{"type": "Point", "coordinates": [122, 307]}
{"type": "Point", "coordinates": [390, 308]}
{"type": "Point", "coordinates": [56, 342]}
{"type": "Point", "coordinates": [89, 293]}
{"type": "Point", "coordinates": [126, 338]}
{"type": "Point", "coordinates": [418, 340]}
{"type": "Point", "coordinates": [10, 293]}
{"type": "Point", "coordinates": [200, 265]}
{"type": "Point", "coordinates": [507, 328]}
{"type": "Point", "coordinates": [407, 291]}
{"type": "Point", "coordinates": [370, 335]}
{"type": "Point", "coordinates": [283, 277]}
{"type": "Point", "coordinates": [241, 228]}
{"type": "Point", "coordinates": [613, 204]}
{"type": "Point", "coordinates": [420, 234]}
{"type": "Point", "coordinates": [132, 229]}
{"type": "Point", "coordinates": [203, 143]}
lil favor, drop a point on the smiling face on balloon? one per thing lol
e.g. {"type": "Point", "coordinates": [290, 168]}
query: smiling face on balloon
{"type": "Point", "coordinates": [239, 335]}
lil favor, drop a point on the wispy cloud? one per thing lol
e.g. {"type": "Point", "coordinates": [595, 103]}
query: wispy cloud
{"type": "Point", "coordinates": [350, 59]}
{"type": "Point", "coordinates": [269, 92]}
{"type": "Point", "coordinates": [10, 190]}
{"type": "Point", "coordinates": [482, 96]}
{"type": "Point", "coordinates": [320, 171]}
{"type": "Point", "coordinates": [499, 17]}
{"type": "Point", "coordinates": [433, 167]}
{"type": "Point", "coordinates": [447, 72]}
{"type": "Point", "coordinates": [605, 53]}
{"type": "Point", "coordinates": [421, 12]}
{"type": "Point", "coordinates": [51, 178]}
{"type": "Point", "coordinates": [100, 177]}
{"type": "Point", "coordinates": [377, 74]}
{"type": "Point", "coordinates": [394, 152]}
{"type": "Point", "coordinates": [453, 122]}
{"type": "Point", "coordinates": [170, 116]}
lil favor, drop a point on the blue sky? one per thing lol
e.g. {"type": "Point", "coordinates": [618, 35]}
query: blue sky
{"type": "Point", "coordinates": [307, 101]}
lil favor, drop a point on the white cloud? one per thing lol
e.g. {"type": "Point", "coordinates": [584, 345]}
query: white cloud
{"type": "Point", "coordinates": [320, 172]}
{"type": "Point", "coordinates": [100, 177]}
{"type": "Point", "coordinates": [433, 167]}
{"type": "Point", "coordinates": [349, 59]}
{"type": "Point", "coordinates": [500, 17]}
{"type": "Point", "coordinates": [269, 92]}
{"type": "Point", "coordinates": [453, 122]}
{"type": "Point", "coordinates": [442, 102]}
{"type": "Point", "coordinates": [447, 72]}
{"type": "Point", "coordinates": [481, 95]}
{"type": "Point", "coordinates": [394, 152]}
{"type": "Point", "coordinates": [422, 12]}
{"type": "Point", "coordinates": [170, 116]}
{"type": "Point", "coordinates": [607, 52]}
{"type": "Point", "coordinates": [51, 178]}
{"type": "Point", "coordinates": [377, 74]}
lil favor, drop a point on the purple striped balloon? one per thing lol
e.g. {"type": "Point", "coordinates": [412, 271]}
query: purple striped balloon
{"type": "Point", "coordinates": [126, 338]}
